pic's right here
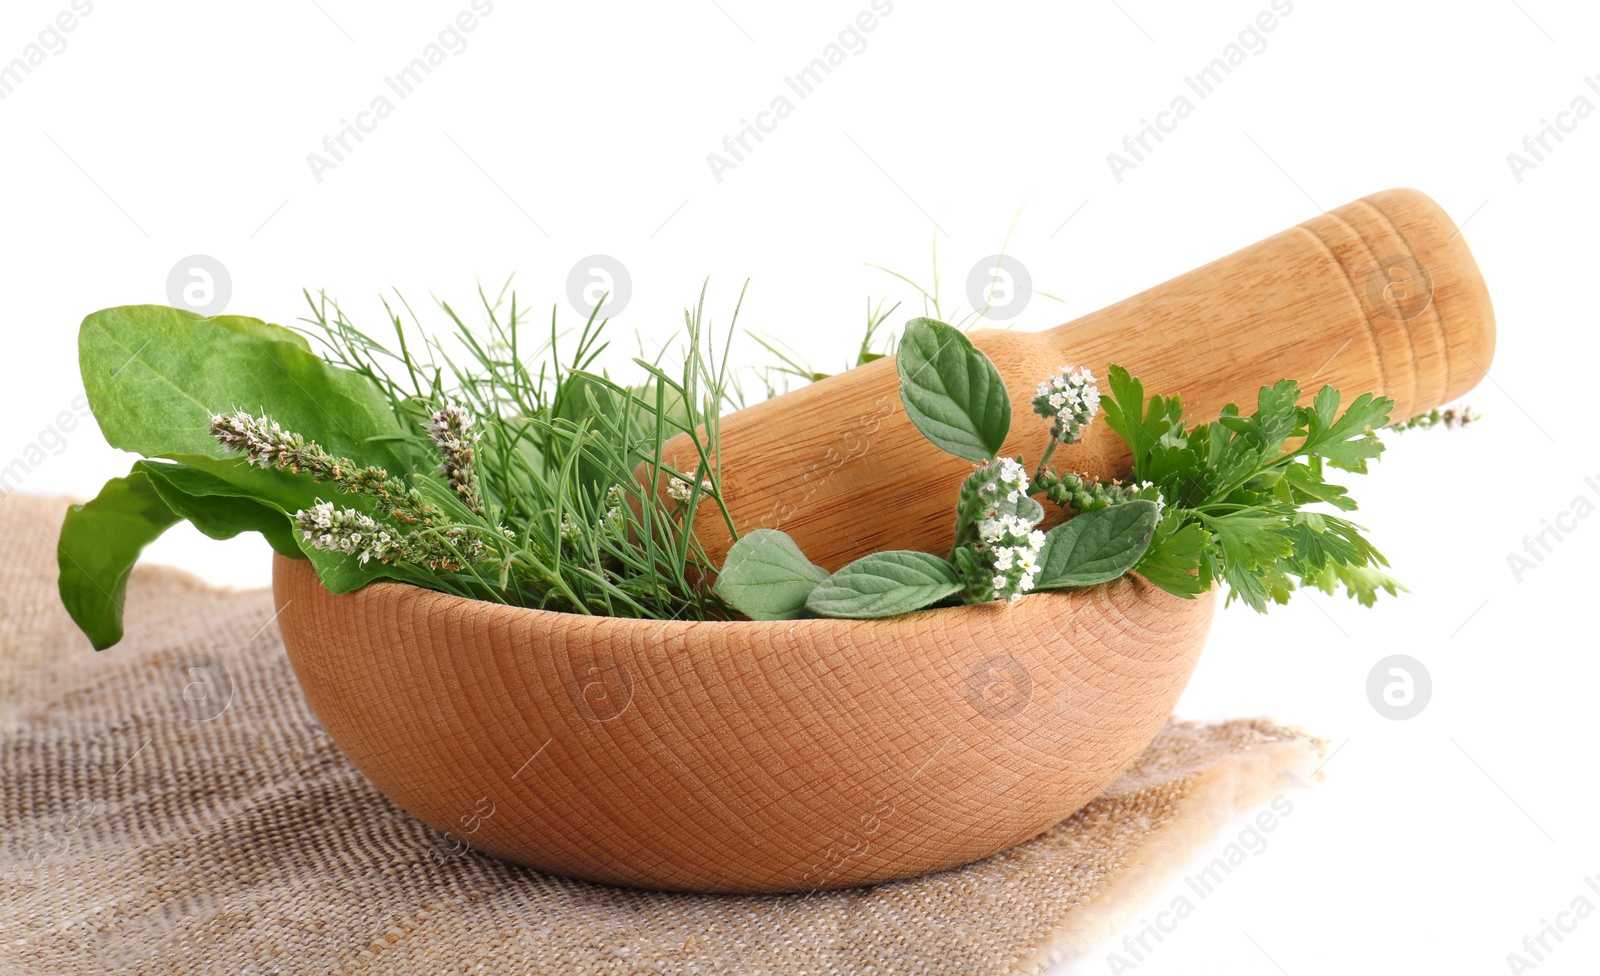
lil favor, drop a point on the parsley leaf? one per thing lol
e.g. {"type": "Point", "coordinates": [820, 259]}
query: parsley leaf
{"type": "Point", "coordinates": [1242, 493]}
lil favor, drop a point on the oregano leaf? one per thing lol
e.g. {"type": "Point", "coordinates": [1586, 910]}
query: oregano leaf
{"type": "Point", "coordinates": [1096, 546]}
{"type": "Point", "coordinates": [951, 391]}
{"type": "Point", "coordinates": [885, 584]}
{"type": "Point", "coordinates": [767, 577]}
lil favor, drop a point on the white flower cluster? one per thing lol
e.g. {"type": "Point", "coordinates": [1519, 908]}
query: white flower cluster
{"type": "Point", "coordinates": [451, 430]}
{"type": "Point", "coordinates": [613, 516]}
{"type": "Point", "coordinates": [679, 489]}
{"type": "Point", "coordinates": [1011, 476]}
{"type": "Point", "coordinates": [1069, 400]}
{"type": "Point", "coordinates": [1009, 540]}
{"type": "Point", "coordinates": [1014, 545]}
{"type": "Point", "coordinates": [345, 530]}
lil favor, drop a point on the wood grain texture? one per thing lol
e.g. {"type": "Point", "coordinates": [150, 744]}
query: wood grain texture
{"type": "Point", "coordinates": [1380, 295]}
{"type": "Point", "coordinates": [739, 757]}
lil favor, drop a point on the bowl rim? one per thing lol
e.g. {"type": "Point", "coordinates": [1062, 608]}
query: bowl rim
{"type": "Point", "coordinates": [1146, 591]}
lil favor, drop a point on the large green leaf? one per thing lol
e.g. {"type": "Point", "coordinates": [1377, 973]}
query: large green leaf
{"type": "Point", "coordinates": [767, 577]}
{"type": "Point", "coordinates": [219, 508]}
{"type": "Point", "coordinates": [1096, 546]}
{"type": "Point", "coordinates": [951, 391]}
{"type": "Point", "coordinates": [155, 376]}
{"type": "Point", "coordinates": [245, 325]}
{"type": "Point", "coordinates": [222, 510]}
{"type": "Point", "coordinates": [885, 584]}
{"type": "Point", "coordinates": [100, 542]}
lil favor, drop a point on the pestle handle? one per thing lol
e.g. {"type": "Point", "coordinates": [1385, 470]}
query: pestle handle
{"type": "Point", "coordinates": [1380, 295]}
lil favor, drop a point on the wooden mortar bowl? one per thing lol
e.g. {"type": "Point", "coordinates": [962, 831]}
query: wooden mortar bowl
{"type": "Point", "coordinates": [739, 756]}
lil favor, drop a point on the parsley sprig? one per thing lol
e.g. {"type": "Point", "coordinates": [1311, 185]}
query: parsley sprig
{"type": "Point", "coordinates": [1237, 492]}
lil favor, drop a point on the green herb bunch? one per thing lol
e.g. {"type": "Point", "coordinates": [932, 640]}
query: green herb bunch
{"type": "Point", "coordinates": [1238, 491]}
{"type": "Point", "coordinates": [1225, 501]}
{"type": "Point", "coordinates": [502, 469]}
{"type": "Point", "coordinates": [956, 398]}
{"type": "Point", "coordinates": [507, 467]}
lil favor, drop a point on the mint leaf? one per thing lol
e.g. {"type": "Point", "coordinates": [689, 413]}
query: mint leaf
{"type": "Point", "coordinates": [885, 584]}
{"type": "Point", "coordinates": [951, 391]}
{"type": "Point", "coordinates": [767, 577]}
{"type": "Point", "coordinates": [1096, 546]}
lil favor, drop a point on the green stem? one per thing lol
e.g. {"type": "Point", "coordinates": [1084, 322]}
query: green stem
{"type": "Point", "coordinates": [1044, 459]}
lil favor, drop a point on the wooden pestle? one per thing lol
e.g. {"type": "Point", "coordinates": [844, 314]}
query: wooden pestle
{"type": "Point", "coordinates": [1380, 295]}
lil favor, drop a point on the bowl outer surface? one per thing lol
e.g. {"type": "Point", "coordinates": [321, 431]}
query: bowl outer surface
{"type": "Point", "coordinates": [739, 756]}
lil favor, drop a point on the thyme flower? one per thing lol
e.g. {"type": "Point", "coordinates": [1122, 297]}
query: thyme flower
{"type": "Point", "coordinates": [1449, 418]}
{"type": "Point", "coordinates": [612, 522]}
{"type": "Point", "coordinates": [434, 541]}
{"type": "Point", "coordinates": [570, 530]}
{"type": "Point", "coordinates": [358, 534]}
{"type": "Point", "coordinates": [265, 443]}
{"type": "Point", "coordinates": [613, 518]}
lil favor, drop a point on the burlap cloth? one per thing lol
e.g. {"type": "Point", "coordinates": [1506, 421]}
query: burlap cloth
{"type": "Point", "coordinates": [147, 830]}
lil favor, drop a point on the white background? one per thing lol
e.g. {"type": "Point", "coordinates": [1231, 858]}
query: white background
{"type": "Point", "coordinates": [164, 130]}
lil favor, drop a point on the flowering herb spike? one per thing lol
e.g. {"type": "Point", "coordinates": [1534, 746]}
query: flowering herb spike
{"type": "Point", "coordinates": [451, 431]}
{"type": "Point", "coordinates": [996, 550]}
{"type": "Point", "coordinates": [506, 475]}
